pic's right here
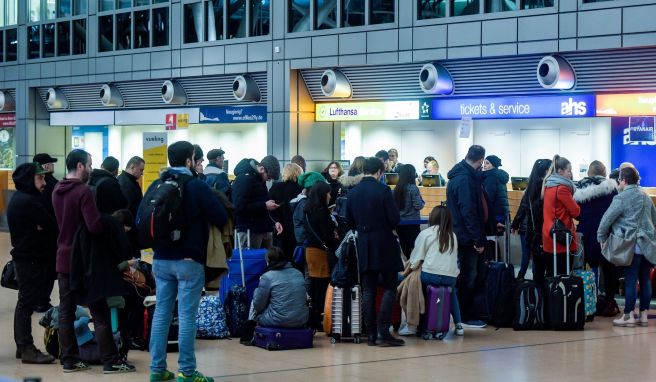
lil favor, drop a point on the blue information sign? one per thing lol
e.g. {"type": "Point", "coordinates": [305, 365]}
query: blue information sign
{"type": "Point", "coordinates": [632, 140]}
{"type": "Point", "coordinates": [233, 114]}
{"type": "Point", "coordinates": [520, 107]}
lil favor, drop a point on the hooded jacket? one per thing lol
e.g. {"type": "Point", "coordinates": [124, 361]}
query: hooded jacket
{"type": "Point", "coordinates": [109, 197]}
{"type": "Point", "coordinates": [594, 195]}
{"type": "Point", "coordinates": [217, 178]}
{"type": "Point", "coordinates": [33, 230]}
{"type": "Point", "coordinates": [46, 195]}
{"type": "Point", "coordinates": [494, 182]}
{"type": "Point", "coordinates": [283, 193]}
{"type": "Point", "coordinates": [559, 203]}
{"type": "Point", "coordinates": [74, 205]}
{"type": "Point", "coordinates": [465, 200]}
{"type": "Point", "coordinates": [131, 191]}
{"type": "Point", "coordinates": [249, 195]}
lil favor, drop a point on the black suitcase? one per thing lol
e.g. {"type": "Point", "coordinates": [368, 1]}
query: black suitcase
{"type": "Point", "coordinates": [500, 288]}
{"type": "Point", "coordinates": [565, 297]}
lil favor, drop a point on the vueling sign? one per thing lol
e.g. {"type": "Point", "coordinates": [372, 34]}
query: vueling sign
{"type": "Point", "coordinates": [570, 107]}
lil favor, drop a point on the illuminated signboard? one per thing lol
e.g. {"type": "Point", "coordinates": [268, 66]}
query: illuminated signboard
{"type": "Point", "coordinates": [556, 106]}
{"type": "Point", "coordinates": [367, 111]}
{"type": "Point", "coordinates": [624, 105]}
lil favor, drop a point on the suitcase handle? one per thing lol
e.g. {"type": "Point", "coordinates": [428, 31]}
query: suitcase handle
{"type": "Point", "coordinates": [241, 254]}
{"type": "Point", "coordinates": [568, 238]}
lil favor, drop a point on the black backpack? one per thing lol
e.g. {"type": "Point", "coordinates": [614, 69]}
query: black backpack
{"type": "Point", "coordinates": [161, 217]}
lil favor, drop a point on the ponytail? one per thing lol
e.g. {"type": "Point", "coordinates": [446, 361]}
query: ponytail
{"type": "Point", "coordinates": [558, 163]}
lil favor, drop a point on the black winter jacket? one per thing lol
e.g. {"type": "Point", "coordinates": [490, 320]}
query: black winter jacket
{"type": "Point", "coordinates": [109, 197]}
{"type": "Point", "coordinates": [494, 183]}
{"type": "Point", "coordinates": [283, 193]}
{"type": "Point", "coordinates": [131, 191]}
{"type": "Point", "coordinates": [465, 198]}
{"type": "Point", "coordinates": [320, 222]}
{"type": "Point", "coordinates": [46, 195]}
{"type": "Point", "coordinates": [249, 195]}
{"type": "Point", "coordinates": [594, 195]}
{"type": "Point", "coordinates": [32, 228]}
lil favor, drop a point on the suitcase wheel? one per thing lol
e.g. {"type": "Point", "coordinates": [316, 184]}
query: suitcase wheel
{"type": "Point", "coordinates": [357, 340]}
{"type": "Point", "coordinates": [427, 336]}
{"type": "Point", "coordinates": [440, 336]}
{"type": "Point", "coordinates": [334, 339]}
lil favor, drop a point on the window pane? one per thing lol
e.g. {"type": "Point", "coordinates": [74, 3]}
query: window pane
{"type": "Point", "coordinates": [160, 26]}
{"type": "Point", "coordinates": [326, 14]}
{"type": "Point", "coordinates": [382, 11]}
{"type": "Point", "coordinates": [464, 7]}
{"type": "Point", "coordinates": [124, 31]}
{"type": "Point", "coordinates": [160, 1]}
{"type": "Point", "coordinates": [33, 41]}
{"type": "Point", "coordinates": [2, 38]}
{"type": "Point", "coordinates": [431, 9]}
{"type": "Point", "coordinates": [193, 22]}
{"type": "Point", "coordinates": [49, 40]}
{"type": "Point", "coordinates": [12, 12]}
{"type": "Point", "coordinates": [105, 33]}
{"type": "Point", "coordinates": [64, 38]}
{"type": "Point", "coordinates": [492, 6]}
{"type": "Point", "coordinates": [11, 44]}
{"type": "Point", "coordinates": [2, 16]}
{"type": "Point", "coordinates": [214, 20]}
{"type": "Point", "coordinates": [51, 9]}
{"type": "Point", "coordinates": [352, 13]}
{"type": "Point", "coordinates": [35, 10]}
{"type": "Point", "coordinates": [260, 16]}
{"type": "Point", "coordinates": [139, 3]}
{"type": "Point", "coordinates": [64, 8]}
{"type": "Point", "coordinates": [299, 15]}
{"type": "Point", "coordinates": [81, 7]}
{"type": "Point", "coordinates": [106, 5]}
{"type": "Point", "coordinates": [80, 36]}
{"type": "Point", "coordinates": [237, 19]}
{"type": "Point", "coordinates": [141, 29]}
{"type": "Point", "coordinates": [120, 4]}
{"type": "Point", "coordinates": [530, 4]}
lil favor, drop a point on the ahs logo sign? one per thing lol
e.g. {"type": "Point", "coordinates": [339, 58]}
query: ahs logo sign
{"type": "Point", "coordinates": [573, 108]}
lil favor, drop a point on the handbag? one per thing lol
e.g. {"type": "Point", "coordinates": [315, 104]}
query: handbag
{"type": "Point", "coordinates": [618, 250]}
{"type": "Point", "coordinates": [137, 279]}
{"type": "Point", "coordinates": [9, 276]}
{"type": "Point", "coordinates": [330, 255]}
{"type": "Point", "coordinates": [559, 228]}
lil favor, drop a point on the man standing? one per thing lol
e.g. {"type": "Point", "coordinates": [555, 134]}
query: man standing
{"type": "Point", "coordinates": [198, 163]}
{"type": "Point", "coordinates": [179, 268]}
{"type": "Point", "coordinates": [74, 205]}
{"type": "Point", "coordinates": [129, 182]}
{"type": "Point", "coordinates": [466, 202]}
{"type": "Point", "coordinates": [33, 232]}
{"type": "Point", "coordinates": [371, 211]}
{"type": "Point", "coordinates": [48, 164]}
{"type": "Point", "coordinates": [109, 197]}
{"type": "Point", "coordinates": [216, 177]}
{"type": "Point", "coordinates": [251, 200]}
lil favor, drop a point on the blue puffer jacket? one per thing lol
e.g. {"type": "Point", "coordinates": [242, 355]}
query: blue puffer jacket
{"type": "Point", "coordinates": [280, 299]}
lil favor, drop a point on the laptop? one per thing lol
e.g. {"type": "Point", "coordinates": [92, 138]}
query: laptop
{"type": "Point", "coordinates": [430, 180]}
{"type": "Point", "coordinates": [391, 178]}
{"type": "Point", "coordinates": [519, 183]}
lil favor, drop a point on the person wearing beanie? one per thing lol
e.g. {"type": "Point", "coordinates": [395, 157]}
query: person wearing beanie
{"type": "Point", "coordinates": [251, 200]}
{"type": "Point", "coordinates": [33, 233]}
{"type": "Point", "coordinates": [495, 183]}
{"type": "Point", "coordinates": [307, 181]}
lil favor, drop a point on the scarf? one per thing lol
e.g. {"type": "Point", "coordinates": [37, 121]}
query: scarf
{"type": "Point", "coordinates": [555, 180]}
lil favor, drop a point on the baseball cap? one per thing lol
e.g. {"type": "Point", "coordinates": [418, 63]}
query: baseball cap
{"type": "Point", "coordinates": [44, 158]}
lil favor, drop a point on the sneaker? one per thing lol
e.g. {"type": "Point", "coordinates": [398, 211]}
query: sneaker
{"type": "Point", "coordinates": [644, 318]}
{"type": "Point", "coordinates": [459, 331]}
{"type": "Point", "coordinates": [474, 324]}
{"type": "Point", "coordinates": [405, 330]}
{"type": "Point", "coordinates": [195, 377]}
{"type": "Point", "coordinates": [626, 320]}
{"type": "Point", "coordinates": [118, 367]}
{"type": "Point", "coordinates": [78, 366]}
{"type": "Point", "coordinates": [161, 376]}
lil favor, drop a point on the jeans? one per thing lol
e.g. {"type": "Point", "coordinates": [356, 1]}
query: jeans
{"type": "Point", "coordinates": [102, 325]}
{"type": "Point", "coordinates": [526, 254]}
{"type": "Point", "coordinates": [638, 271]}
{"type": "Point", "coordinates": [378, 324]}
{"type": "Point", "coordinates": [447, 281]}
{"type": "Point", "coordinates": [32, 278]}
{"type": "Point", "coordinates": [472, 271]}
{"type": "Point", "coordinates": [183, 279]}
{"type": "Point", "coordinates": [257, 240]}
{"type": "Point", "coordinates": [407, 236]}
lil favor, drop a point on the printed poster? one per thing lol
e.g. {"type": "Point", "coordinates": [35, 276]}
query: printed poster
{"type": "Point", "coordinates": [155, 155]}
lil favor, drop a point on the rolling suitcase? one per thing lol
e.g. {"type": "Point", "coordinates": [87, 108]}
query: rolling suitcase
{"type": "Point", "coordinates": [283, 338]}
{"type": "Point", "coordinates": [500, 287]}
{"type": "Point", "coordinates": [245, 267]}
{"type": "Point", "coordinates": [438, 312]}
{"type": "Point", "coordinates": [565, 297]}
{"type": "Point", "coordinates": [345, 314]}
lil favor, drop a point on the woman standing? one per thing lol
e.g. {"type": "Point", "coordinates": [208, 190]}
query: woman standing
{"type": "Point", "coordinates": [283, 193]}
{"type": "Point", "coordinates": [409, 201]}
{"type": "Point", "coordinates": [332, 173]}
{"type": "Point", "coordinates": [632, 215]}
{"type": "Point", "coordinates": [559, 204]}
{"type": "Point", "coordinates": [320, 228]}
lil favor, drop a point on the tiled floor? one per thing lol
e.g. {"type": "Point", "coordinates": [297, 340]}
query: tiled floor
{"type": "Point", "coordinates": [600, 353]}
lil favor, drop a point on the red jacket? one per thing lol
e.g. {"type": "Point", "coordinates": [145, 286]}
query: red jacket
{"type": "Point", "coordinates": [559, 202]}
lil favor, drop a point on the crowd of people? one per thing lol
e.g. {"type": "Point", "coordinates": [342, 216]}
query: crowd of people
{"type": "Point", "coordinates": [54, 225]}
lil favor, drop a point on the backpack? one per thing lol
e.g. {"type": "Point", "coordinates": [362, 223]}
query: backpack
{"type": "Point", "coordinates": [161, 217]}
{"type": "Point", "coordinates": [529, 307]}
{"type": "Point", "coordinates": [211, 318]}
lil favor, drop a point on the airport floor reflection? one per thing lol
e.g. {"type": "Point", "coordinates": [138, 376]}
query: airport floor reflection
{"type": "Point", "coordinates": [600, 353]}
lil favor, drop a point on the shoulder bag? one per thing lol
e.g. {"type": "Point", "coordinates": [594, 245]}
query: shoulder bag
{"type": "Point", "coordinates": [9, 276]}
{"type": "Point", "coordinates": [620, 251]}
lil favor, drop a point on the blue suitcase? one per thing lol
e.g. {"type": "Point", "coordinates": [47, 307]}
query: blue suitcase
{"type": "Point", "coordinates": [254, 265]}
{"type": "Point", "coordinates": [283, 338]}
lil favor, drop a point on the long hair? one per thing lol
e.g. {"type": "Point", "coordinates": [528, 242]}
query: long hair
{"type": "Point", "coordinates": [407, 175]}
{"type": "Point", "coordinates": [535, 180]}
{"type": "Point", "coordinates": [558, 163]}
{"type": "Point", "coordinates": [340, 172]}
{"type": "Point", "coordinates": [357, 166]}
{"type": "Point", "coordinates": [441, 217]}
{"type": "Point", "coordinates": [317, 197]}
{"type": "Point", "coordinates": [291, 172]}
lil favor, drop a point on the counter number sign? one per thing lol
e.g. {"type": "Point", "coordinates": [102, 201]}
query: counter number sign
{"type": "Point", "coordinates": [171, 122]}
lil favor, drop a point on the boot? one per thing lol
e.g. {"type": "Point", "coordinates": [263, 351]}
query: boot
{"type": "Point", "coordinates": [371, 340]}
{"type": "Point", "coordinates": [389, 340]}
{"type": "Point", "coordinates": [33, 355]}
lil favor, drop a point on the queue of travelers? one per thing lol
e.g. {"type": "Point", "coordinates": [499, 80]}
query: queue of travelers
{"type": "Point", "coordinates": [313, 210]}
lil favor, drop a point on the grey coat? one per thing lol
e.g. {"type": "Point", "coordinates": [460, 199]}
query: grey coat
{"type": "Point", "coordinates": [412, 203]}
{"type": "Point", "coordinates": [631, 214]}
{"type": "Point", "coordinates": [279, 300]}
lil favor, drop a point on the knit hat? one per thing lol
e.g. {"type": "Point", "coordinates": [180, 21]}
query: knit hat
{"type": "Point", "coordinates": [494, 160]}
{"type": "Point", "coordinates": [272, 166]}
{"type": "Point", "coordinates": [309, 179]}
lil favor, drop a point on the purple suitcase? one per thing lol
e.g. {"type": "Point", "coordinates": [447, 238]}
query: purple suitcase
{"type": "Point", "coordinates": [283, 338]}
{"type": "Point", "coordinates": [438, 312]}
